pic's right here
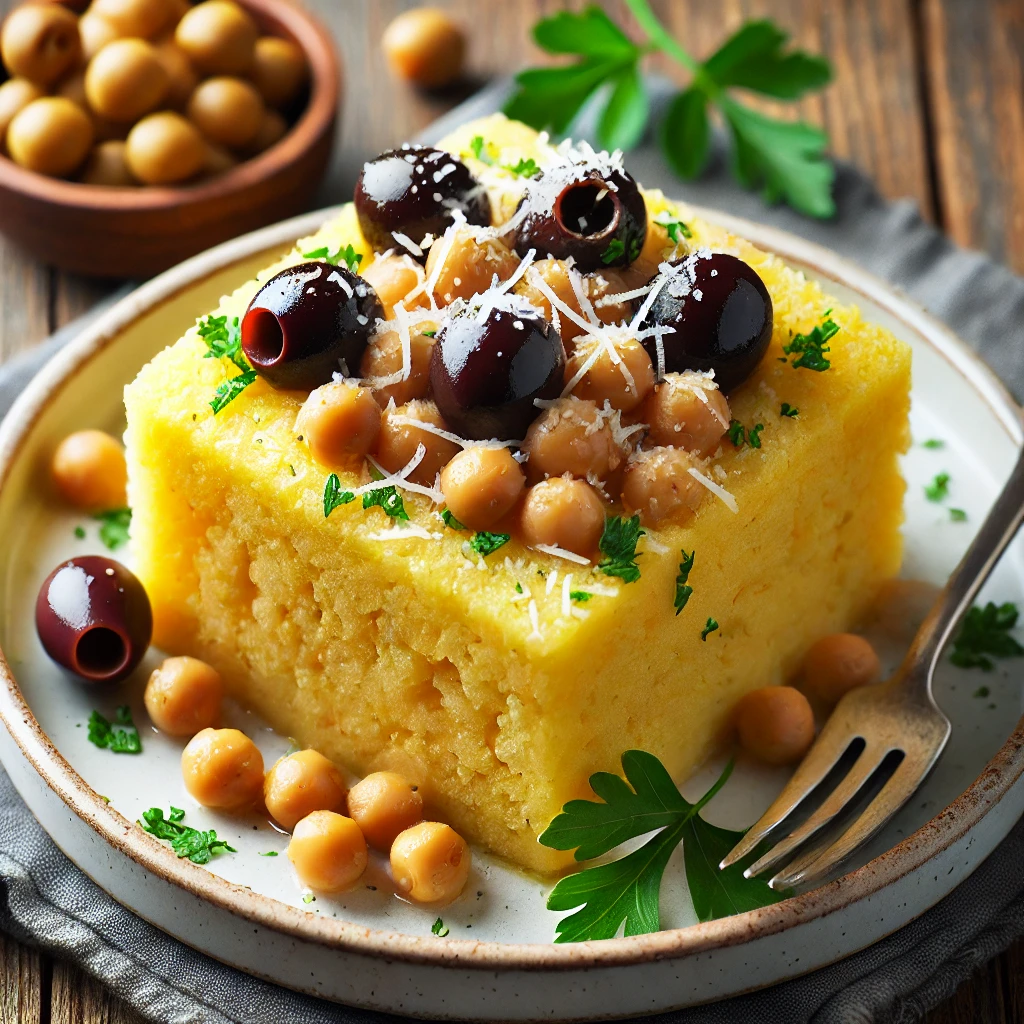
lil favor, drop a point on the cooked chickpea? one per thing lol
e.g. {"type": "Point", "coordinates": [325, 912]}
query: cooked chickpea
{"type": "Point", "coordinates": [183, 696]}
{"type": "Point", "coordinates": [603, 288]}
{"type": "Point", "coordinates": [566, 513]}
{"type": "Point", "coordinates": [383, 357]}
{"type": "Point", "coordinates": [300, 784]}
{"type": "Point", "coordinates": [125, 80]}
{"type": "Point", "coordinates": [73, 88]}
{"type": "Point", "coordinates": [50, 135]}
{"type": "Point", "coordinates": [181, 77]}
{"type": "Point", "coordinates": [89, 470]}
{"type": "Point", "coordinates": [469, 265]}
{"type": "Point", "coordinates": [164, 149]}
{"type": "Point", "coordinates": [226, 110]}
{"type": "Point", "coordinates": [383, 805]}
{"type": "Point", "coordinates": [424, 46]}
{"type": "Point", "coordinates": [108, 165]}
{"type": "Point", "coordinates": [430, 862]}
{"type": "Point", "coordinates": [218, 160]}
{"type": "Point", "coordinates": [15, 94]}
{"type": "Point", "coordinates": [659, 486]}
{"type": "Point", "coordinates": [398, 441]}
{"type": "Point", "coordinates": [95, 32]}
{"type": "Point", "coordinates": [839, 663]}
{"type": "Point", "coordinates": [142, 18]}
{"type": "Point", "coordinates": [40, 42]}
{"type": "Point", "coordinates": [775, 724]}
{"type": "Point", "coordinates": [278, 70]}
{"type": "Point", "coordinates": [272, 129]}
{"type": "Point", "coordinates": [218, 36]}
{"type": "Point", "coordinates": [571, 436]}
{"type": "Point", "coordinates": [223, 769]}
{"type": "Point", "coordinates": [392, 278]}
{"type": "Point", "coordinates": [624, 381]}
{"type": "Point", "coordinates": [339, 420]}
{"type": "Point", "coordinates": [684, 412]}
{"type": "Point", "coordinates": [481, 485]}
{"type": "Point", "coordinates": [328, 851]}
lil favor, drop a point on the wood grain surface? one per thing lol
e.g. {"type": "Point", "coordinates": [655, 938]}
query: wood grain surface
{"type": "Point", "coordinates": [928, 98]}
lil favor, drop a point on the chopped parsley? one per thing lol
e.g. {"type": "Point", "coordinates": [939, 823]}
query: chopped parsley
{"type": "Point", "coordinates": [482, 149]}
{"type": "Point", "coordinates": [223, 340]}
{"type": "Point", "coordinates": [618, 545]}
{"type": "Point", "coordinates": [958, 515]}
{"type": "Point", "coordinates": [981, 691]}
{"type": "Point", "coordinates": [450, 521]}
{"type": "Point", "coordinates": [388, 499]}
{"type": "Point", "coordinates": [523, 168]}
{"type": "Point", "coordinates": [430, 333]}
{"type": "Point", "coordinates": [739, 435]}
{"type": "Point", "coordinates": [933, 443]}
{"type": "Point", "coordinates": [231, 389]}
{"type": "Point", "coordinates": [348, 256]}
{"type": "Point", "coordinates": [308, 897]}
{"type": "Point", "coordinates": [519, 588]}
{"type": "Point", "coordinates": [114, 524]}
{"type": "Point", "coordinates": [80, 532]}
{"type": "Point", "coordinates": [484, 543]}
{"type": "Point", "coordinates": [269, 853]}
{"type": "Point", "coordinates": [198, 846]}
{"type": "Point", "coordinates": [938, 489]}
{"type": "Point", "coordinates": [709, 627]}
{"type": "Point", "coordinates": [683, 591]}
{"type": "Point", "coordinates": [676, 229]}
{"type": "Point", "coordinates": [615, 251]}
{"type": "Point", "coordinates": [581, 596]}
{"type": "Point", "coordinates": [334, 495]}
{"type": "Point", "coordinates": [438, 928]}
{"type": "Point", "coordinates": [119, 736]}
{"type": "Point", "coordinates": [788, 410]}
{"type": "Point", "coordinates": [811, 348]}
{"type": "Point", "coordinates": [984, 635]}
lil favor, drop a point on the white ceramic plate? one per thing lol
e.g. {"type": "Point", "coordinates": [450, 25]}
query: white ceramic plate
{"type": "Point", "coordinates": [371, 949]}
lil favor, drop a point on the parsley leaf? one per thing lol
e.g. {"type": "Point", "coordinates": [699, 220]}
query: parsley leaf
{"type": "Point", "coordinates": [683, 591]}
{"type": "Point", "coordinates": [231, 389]}
{"type": "Point", "coordinates": [388, 499]}
{"type": "Point", "coordinates": [788, 410]}
{"type": "Point", "coordinates": [709, 627]}
{"type": "Point", "coordinates": [484, 543]}
{"type": "Point", "coordinates": [582, 596]}
{"type": "Point", "coordinates": [676, 229]}
{"type": "Point", "coordinates": [348, 256]}
{"type": "Point", "coordinates": [811, 347]}
{"type": "Point", "coordinates": [615, 251]}
{"type": "Point", "coordinates": [119, 736]}
{"type": "Point", "coordinates": [519, 587]}
{"type": "Point", "coordinates": [522, 169]}
{"type": "Point", "coordinates": [934, 443]}
{"type": "Point", "coordinates": [223, 340]}
{"type": "Point", "coordinates": [334, 495]}
{"type": "Point", "coordinates": [438, 928]}
{"type": "Point", "coordinates": [481, 149]}
{"type": "Point", "coordinates": [450, 521]}
{"type": "Point", "coordinates": [114, 525]}
{"type": "Point", "coordinates": [938, 489]}
{"type": "Point", "coordinates": [984, 635]}
{"type": "Point", "coordinates": [186, 841]}
{"type": "Point", "coordinates": [958, 515]}
{"type": "Point", "coordinates": [981, 691]}
{"type": "Point", "coordinates": [618, 545]}
{"type": "Point", "coordinates": [80, 532]}
{"type": "Point", "coordinates": [740, 436]}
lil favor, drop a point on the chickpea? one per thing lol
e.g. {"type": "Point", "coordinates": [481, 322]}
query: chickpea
{"type": "Point", "coordinates": [108, 165]}
{"type": "Point", "coordinates": [481, 485]}
{"type": "Point", "coordinates": [15, 95]}
{"type": "Point", "coordinates": [328, 851]}
{"type": "Point", "coordinates": [40, 42]}
{"type": "Point", "coordinates": [223, 769]}
{"type": "Point", "coordinates": [339, 420]}
{"type": "Point", "coordinates": [300, 784]}
{"type": "Point", "coordinates": [624, 384]}
{"type": "Point", "coordinates": [430, 862]}
{"type": "Point", "coordinates": [218, 160]}
{"type": "Point", "coordinates": [604, 286]}
{"type": "Point", "coordinates": [89, 470]}
{"type": "Point", "coordinates": [181, 77]}
{"type": "Point", "coordinates": [659, 486]}
{"type": "Point", "coordinates": [273, 128]}
{"type": "Point", "coordinates": [125, 80]}
{"type": "Point", "coordinates": [424, 46]}
{"type": "Point", "coordinates": [469, 265]}
{"type": "Point", "coordinates": [571, 436]}
{"type": "Point", "coordinates": [164, 148]}
{"type": "Point", "coordinates": [679, 418]}
{"type": "Point", "coordinates": [839, 663]}
{"type": "Point", "coordinates": [383, 805]}
{"type": "Point", "coordinates": [219, 37]}
{"type": "Point", "coordinates": [50, 136]}
{"type": "Point", "coordinates": [566, 513]}
{"type": "Point", "coordinates": [184, 696]}
{"type": "Point", "coordinates": [73, 88]}
{"type": "Point", "coordinates": [383, 357]}
{"type": "Point", "coordinates": [226, 110]}
{"type": "Point", "coordinates": [95, 33]}
{"type": "Point", "coordinates": [278, 70]}
{"type": "Point", "coordinates": [775, 724]}
{"type": "Point", "coordinates": [392, 278]}
{"type": "Point", "coordinates": [141, 18]}
{"type": "Point", "coordinates": [398, 442]}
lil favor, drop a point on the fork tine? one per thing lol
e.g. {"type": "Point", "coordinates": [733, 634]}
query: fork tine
{"type": "Point", "coordinates": [862, 770]}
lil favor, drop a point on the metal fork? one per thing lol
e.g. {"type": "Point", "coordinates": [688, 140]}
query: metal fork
{"type": "Point", "coordinates": [894, 718]}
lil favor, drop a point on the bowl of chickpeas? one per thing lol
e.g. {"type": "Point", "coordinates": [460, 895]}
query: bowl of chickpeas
{"type": "Point", "coordinates": [135, 133]}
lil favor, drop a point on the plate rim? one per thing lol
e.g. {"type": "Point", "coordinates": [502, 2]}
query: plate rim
{"type": "Point", "coordinates": [937, 834]}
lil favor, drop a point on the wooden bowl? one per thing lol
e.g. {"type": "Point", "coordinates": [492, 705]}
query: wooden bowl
{"type": "Point", "coordinates": [137, 232]}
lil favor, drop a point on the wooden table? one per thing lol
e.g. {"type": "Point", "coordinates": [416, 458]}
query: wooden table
{"type": "Point", "coordinates": [928, 98]}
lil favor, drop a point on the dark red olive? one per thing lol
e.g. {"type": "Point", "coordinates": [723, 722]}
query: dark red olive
{"type": "Point", "coordinates": [93, 617]}
{"type": "Point", "coordinates": [722, 315]}
{"type": "Point", "coordinates": [414, 192]}
{"type": "Point", "coordinates": [486, 370]}
{"type": "Point", "coordinates": [599, 220]}
{"type": "Point", "coordinates": [308, 323]}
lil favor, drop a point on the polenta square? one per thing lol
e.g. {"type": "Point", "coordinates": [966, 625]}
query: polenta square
{"type": "Point", "coordinates": [497, 671]}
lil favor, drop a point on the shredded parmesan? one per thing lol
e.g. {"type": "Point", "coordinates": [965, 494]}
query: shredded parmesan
{"type": "Point", "coordinates": [409, 244]}
{"type": "Point", "coordinates": [714, 488]}
{"type": "Point", "coordinates": [399, 479]}
{"type": "Point", "coordinates": [655, 547]}
{"type": "Point", "coordinates": [569, 556]}
{"type": "Point", "coordinates": [397, 532]}
{"type": "Point", "coordinates": [410, 421]}
{"type": "Point", "coordinates": [549, 584]}
{"type": "Point", "coordinates": [531, 610]}
{"type": "Point", "coordinates": [566, 600]}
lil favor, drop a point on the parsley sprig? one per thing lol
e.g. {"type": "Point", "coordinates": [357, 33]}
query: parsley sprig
{"type": "Point", "coordinates": [484, 543]}
{"type": "Point", "coordinates": [119, 736]}
{"type": "Point", "coordinates": [337, 257]}
{"type": "Point", "coordinates": [938, 489]}
{"type": "Point", "coordinates": [484, 152]}
{"type": "Point", "coordinates": [677, 229]}
{"type": "Point", "coordinates": [784, 158]}
{"type": "Point", "coordinates": [388, 499]}
{"type": "Point", "coordinates": [224, 341]}
{"type": "Point", "coordinates": [810, 348]}
{"type": "Point", "coordinates": [740, 435]}
{"type": "Point", "coordinates": [334, 496]}
{"type": "Point", "coordinates": [984, 635]}
{"type": "Point", "coordinates": [683, 590]}
{"type": "Point", "coordinates": [114, 524]}
{"type": "Point", "coordinates": [198, 846]}
{"type": "Point", "coordinates": [627, 890]}
{"type": "Point", "coordinates": [618, 545]}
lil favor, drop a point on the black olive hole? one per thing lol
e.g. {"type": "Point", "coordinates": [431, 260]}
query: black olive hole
{"type": "Point", "coordinates": [587, 208]}
{"type": "Point", "coordinates": [264, 339]}
{"type": "Point", "coordinates": [101, 652]}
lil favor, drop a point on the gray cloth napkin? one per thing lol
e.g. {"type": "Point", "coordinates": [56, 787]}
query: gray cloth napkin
{"type": "Point", "coordinates": [45, 900]}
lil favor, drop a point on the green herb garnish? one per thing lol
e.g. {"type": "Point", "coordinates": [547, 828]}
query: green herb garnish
{"type": "Point", "coordinates": [683, 591]}
{"type": "Point", "coordinates": [231, 389]}
{"type": "Point", "coordinates": [119, 736]}
{"type": "Point", "coordinates": [114, 524]}
{"type": "Point", "coordinates": [429, 334]}
{"type": "Point", "coordinates": [934, 443]}
{"type": "Point", "coordinates": [484, 543]}
{"type": "Point", "coordinates": [186, 841]}
{"type": "Point", "coordinates": [618, 545]}
{"type": "Point", "coordinates": [80, 532]}
{"type": "Point", "coordinates": [788, 410]}
{"type": "Point", "coordinates": [981, 691]}
{"type": "Point", "coordinates": [958, 515]}
{"type": "Point", "coordinates": [348, 256]}
{"type": "Point", "coordinates": [811, 348]}
{"type": "Point", "coordinates": [450, 521]}
{"type": "Point", "coordinates": [739, 435]}
{"type": "Point", "coordinates": [615, 251]}
{"type": "Point", "coordinates": [984, 635]}
{"type": "Point", "coordinates": [582, 596]}
{"type": "Point", "coordinates": [938, 489]}
{"type": "Point", "coordinates": [438, 928]}
{"type": "Point", "coordinates": [334, 495]}
{"type": "Point", "coordinates": [523, 168]}
{"type": "Point", "coordinates": [784, 158]}
{"type": "Point", "coordinates": [481, 149]}
{"type": "Point", "coordinates": [269, 853]}
{"type": "Point", "coordinates": [677, 230]}
{"type": "Point", "coordinates": [388, 499]}
{"type": "Point", "coordinates": [709, 627]}
{"type": "Point", "coordinates": [519, 588]}
{"type": "Point", "coordinates": [223, 340]}
{"type": "Point", "coordinates": [308, 897]}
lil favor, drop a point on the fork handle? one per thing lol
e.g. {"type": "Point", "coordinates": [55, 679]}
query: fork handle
{"type": "Point", "coordinates": [958, 595]}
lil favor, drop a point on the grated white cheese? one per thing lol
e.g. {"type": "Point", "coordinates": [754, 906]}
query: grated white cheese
{"type": "Point", "coordinates": [566, 600]}
{"type": "Point", "coordinates": [403, 239]}
{"type": "Point", "coordinates": [531, 610]}
{"type": "Point", "coordinates": [399, 479]}
{"type": "Point", "coordinates": [569, 556]}
{"type": "Point", "coordinates": [716, 489]}
{"type": "Point", "coordinates": [549, 583]}
{"type": "Point", "coordinates": [654, 546]}
{"type": "Point", "coordinates": [402, 532]}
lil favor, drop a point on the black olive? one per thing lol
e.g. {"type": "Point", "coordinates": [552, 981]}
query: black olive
{"type": "Point", "coordinates": [308, 323]}
{"type": "Point", "coordinates": [486, 370]}
{"type": "Point", "coordinates": [599, 220]}
{"type": "Point", "coordinates": [93, 617]}
{"type": "Point", "coordinates": [722, 315]}
{"type": "Point", "coordinates": [414, 192]}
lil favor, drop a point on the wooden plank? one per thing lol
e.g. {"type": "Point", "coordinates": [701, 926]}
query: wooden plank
{"type": "Point", "coordinates": [79, 999]}
{"type": "Point", "coordinates": [21, 983]}
{"type": "Point", "coordinates": [24, 300]}
{"type": "Point", "coordinates": [981, 998]}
